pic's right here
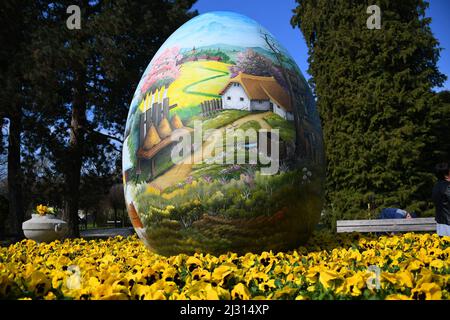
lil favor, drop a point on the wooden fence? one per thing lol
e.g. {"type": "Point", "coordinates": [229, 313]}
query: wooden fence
{"type": "Point", "coordinates": [211, 107]}
{"type": "Point", "coordinates": [153, 115]}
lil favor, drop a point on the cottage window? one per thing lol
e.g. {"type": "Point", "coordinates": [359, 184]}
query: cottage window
{"type": "Point", "coordinates": [242, 99]}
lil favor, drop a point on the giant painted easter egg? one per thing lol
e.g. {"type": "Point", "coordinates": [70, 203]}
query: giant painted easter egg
{"type": "Point", "coordinates": [223, 146]}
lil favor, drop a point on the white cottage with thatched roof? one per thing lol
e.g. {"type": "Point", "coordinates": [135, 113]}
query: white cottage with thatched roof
{"type": "Point", "coordinates": [255, 93]}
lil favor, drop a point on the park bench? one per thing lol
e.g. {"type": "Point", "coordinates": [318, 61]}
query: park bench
{"type": "Point", "coordinates": [387, 225]}
{"type": "Point", "coordinates": [113, 223]}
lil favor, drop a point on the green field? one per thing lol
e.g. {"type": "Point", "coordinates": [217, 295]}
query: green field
{"type": "Point", "coordinates": [287, 129]}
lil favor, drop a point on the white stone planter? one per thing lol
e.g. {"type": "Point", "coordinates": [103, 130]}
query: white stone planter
{"type": "Point", "coordinates": [44, 228]}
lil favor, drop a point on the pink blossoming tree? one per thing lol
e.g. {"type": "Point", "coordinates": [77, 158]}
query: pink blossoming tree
{"type": "Point", "coordinates": [164, 70]}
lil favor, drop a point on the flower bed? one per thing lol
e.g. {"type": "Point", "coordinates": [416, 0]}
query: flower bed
{"type": "Point", "coordinates": [411, 266]}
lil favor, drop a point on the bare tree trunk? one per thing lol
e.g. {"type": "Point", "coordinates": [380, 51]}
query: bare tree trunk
{"type": "Point", "coordinates": [75, 156]}
{"type": "Point", "coordinates": [16, 211]}
{"type": "Point", "coordinates": [94, 218]}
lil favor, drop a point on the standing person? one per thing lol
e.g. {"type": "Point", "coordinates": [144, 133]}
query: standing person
{"type": "Point", "coordinates": [441, 199]}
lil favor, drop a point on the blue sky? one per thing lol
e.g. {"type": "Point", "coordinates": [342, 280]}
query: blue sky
{"type": "Point", "coordinates": [217, 27]}
{"type": "Point", "coordinates": [275, 15]}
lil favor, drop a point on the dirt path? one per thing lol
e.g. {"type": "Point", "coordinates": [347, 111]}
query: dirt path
{"type": "Point", "coordinates": [258, 117]}
{"type": "Point", "coordinates": [180, 172]}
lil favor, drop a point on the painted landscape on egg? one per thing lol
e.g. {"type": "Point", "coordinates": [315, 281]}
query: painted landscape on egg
{"type": "Point", "coordinates": [204, 76]}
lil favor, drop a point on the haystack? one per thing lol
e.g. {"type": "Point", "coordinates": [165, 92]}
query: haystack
{"type": "Point", "coordinates": [176, 122]}
{"type": "Point", "coordinates": [151, 139]}
{"type": "Point", "coordinates": [164, 129]}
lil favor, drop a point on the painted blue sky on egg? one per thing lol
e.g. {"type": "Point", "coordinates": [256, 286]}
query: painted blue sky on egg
{"type": "Point", "coordinates": [212, 28]}
{"type": "Point", "coordinates": [221, 26]}
{"type": "Point", "coordinates": [215, 28]}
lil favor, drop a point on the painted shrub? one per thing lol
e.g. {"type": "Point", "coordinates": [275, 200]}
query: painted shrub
{"type": "Point", "coordinates": [223, 146]}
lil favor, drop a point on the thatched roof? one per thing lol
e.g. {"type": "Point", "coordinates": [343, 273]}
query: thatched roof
{"type": "Point", "coordinates": [261, 88]}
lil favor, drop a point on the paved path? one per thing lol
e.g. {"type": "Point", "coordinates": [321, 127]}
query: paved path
{"type": "Point", "coordinates": [91, 234]}
{"type": "Point", "coordinates": [106, 233]}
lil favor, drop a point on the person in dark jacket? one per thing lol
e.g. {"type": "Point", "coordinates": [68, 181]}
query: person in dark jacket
{"type": "Point", "coordinates": [441, 199]}
{"type": "Point", "coordinates": [394, 213]}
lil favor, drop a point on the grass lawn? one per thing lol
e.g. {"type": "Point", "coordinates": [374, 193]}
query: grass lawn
{"type": "Point", "coordinates": [224, 118]}
{"type": "Point", "coordinates": [287, 129]}
{"type": "Point", "coordinates": [208, 77]}
{"type": "Point", "coordinates": [252, 124]}
{"type": "Point", "coordinates": [186, 113]}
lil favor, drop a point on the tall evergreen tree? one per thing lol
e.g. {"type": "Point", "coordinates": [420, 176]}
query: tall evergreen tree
{"type": "Point", "coordinates": [101, 63]}
{"type": "Point", "coordinates": [442, 127]}
{"type": "Point", "coordinates": [81, 83]}
{"type": "Point", "coordinates": [18, 18]}
{"type": "Point", "coordinates": [374, 90]}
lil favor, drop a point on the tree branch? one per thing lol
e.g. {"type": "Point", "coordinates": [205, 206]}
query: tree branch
{"type": "Point", "coordinates": [101, 134]}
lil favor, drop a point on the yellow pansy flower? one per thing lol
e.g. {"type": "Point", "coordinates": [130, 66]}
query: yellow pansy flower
{"type": "Point", "coordinates": [397, 296]}
{"type": "Point", "coordinates": [41, 209]}
{"type": "Point", "coordinates": [123, 268]}
{"type": "Point", "coordinates": [248, 260]}
{"type": "Point", "coordinates": [267, 285]}
{"type": "Point", "coordinates": [50, 296]}
{"type": "Point", "coordinates": [415, 265]}
{"type": "Point", "coordinates": [221, 272]}
{"type": "Point", "coordinates": [405, 278]}
{"type": "Point", "coordinates": [284, 293]}
{"type": "Point", "coordinates": [141, 292]}
{"type": "Point", "coordinates": [211, 293]}
{"type": "Point", "coordinates": [240, 292]}
{"type": "Point", "coordinates": [437, 263]}
{"type": "Point", "coordinates": [389, 277]}
{"type": "Point", "coordinates": [354, 284]}
{"type": "Point", "coordinates": [311, 288]}
{"type": "Point", "coordinates": [39, 283]}
{"type": "Point", "coordinates": [115, 296]}
{"type": "Point", "coordinates": [193, 261]}
{"type": "Point", "coordinates": [7, 285]}
{"type": "Point", "coordinates": [326, 277]}
{"type": "Point", "coordinates": [428, 291]}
